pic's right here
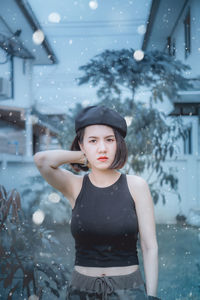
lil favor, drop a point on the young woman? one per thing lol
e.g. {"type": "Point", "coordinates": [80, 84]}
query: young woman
{"type": "Point", "coordinates": [109, 210]}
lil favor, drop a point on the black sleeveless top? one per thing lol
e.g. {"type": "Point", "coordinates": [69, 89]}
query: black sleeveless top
{"type": "Point", "coordinates": [104, 225]}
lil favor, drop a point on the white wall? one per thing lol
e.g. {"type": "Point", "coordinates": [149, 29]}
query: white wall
{"type": "Point", "coordinates": [187, 169]}
{"type": "Point", "coordinates": [194, 57]}
{"type": "Point", "coordinates": [4, 68]}
{"type": "Point", "coordinates": [12, 139]}
{"type": "Point", "coordinates": [23, 96]}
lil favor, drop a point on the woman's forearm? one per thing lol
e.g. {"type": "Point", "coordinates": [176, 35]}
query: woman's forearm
{"type": "Point", "coordinates": [150, 259]}
{"type": "Point", "coordinates": [56, 158]}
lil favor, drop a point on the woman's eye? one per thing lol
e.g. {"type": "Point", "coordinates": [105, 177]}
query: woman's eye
{"type": "Point", "coordinates": [92, 141]}
{"type": "Point", "coordinates": [110, 140]}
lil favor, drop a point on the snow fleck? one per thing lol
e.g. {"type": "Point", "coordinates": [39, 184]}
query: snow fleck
{"type": "Point", "coordinates": [85, 102]}
{"type": "Point", "coordinates": [141, 29]}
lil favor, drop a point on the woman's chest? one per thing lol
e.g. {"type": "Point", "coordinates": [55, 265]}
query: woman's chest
{"type": "Point", "coordinates": [104, 216]}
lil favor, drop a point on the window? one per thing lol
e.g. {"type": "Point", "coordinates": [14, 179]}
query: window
{"type": "Point", "coordinates": [187, 31]}
{"type": "Point", "coordinates": [188, 141]}
{"type": "Point", "coordinates": [171, 46]}
{"type": "Point", "coordinates": [24, 67]}
{"type": "Point", "coordinates": [174, 47]}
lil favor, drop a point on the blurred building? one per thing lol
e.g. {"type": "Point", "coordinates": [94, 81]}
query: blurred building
{"type": "Point", "coordinates": [174, 27]}
{"type": "Point", "coordinates": [23, 130]}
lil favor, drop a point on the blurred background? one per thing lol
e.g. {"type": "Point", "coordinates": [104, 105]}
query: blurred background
{"type": "Point", "coordinates": [138, 57]}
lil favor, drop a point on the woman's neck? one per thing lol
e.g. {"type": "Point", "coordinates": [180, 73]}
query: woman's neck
{"type": "Point", "coordinates": [103, 178]}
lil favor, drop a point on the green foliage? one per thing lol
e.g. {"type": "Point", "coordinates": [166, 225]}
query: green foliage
{"type": "Point", "coordinates": [150, 138]}
{"type": "Point", "coordinates": [68, 130]}
{"type": "Point", "coordinates": [34, 195]}
{"type": "Point", "coordinates": [113, 70]}
{"type": "Point", "coordinates": [21, 270]}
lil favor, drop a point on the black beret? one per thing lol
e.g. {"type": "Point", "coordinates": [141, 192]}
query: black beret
{"type": "Point", "coordinates": [96, 114]}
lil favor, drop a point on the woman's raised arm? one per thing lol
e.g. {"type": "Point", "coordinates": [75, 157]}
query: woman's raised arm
{"type": "Point", "coordinates": [48, 163]}
{"type": "Point", "coordinates": [56, 158]}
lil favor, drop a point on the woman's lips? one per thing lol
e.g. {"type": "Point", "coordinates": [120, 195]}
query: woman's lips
{"type": "Point", "coordinates": [103, 158]}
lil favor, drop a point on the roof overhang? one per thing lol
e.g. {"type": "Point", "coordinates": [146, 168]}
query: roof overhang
{"type": "Point", "coordinates": [16, 15]}
{"type": "Point", "coordinates": [16, 116]}
{"type": "Point", "coordinates": [187, 96]}
{"type": "Point", "coordinates": [163, 18]}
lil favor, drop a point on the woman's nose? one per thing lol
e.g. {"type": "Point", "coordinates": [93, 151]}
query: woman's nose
{"type": "Point", "coordinates": [102, 146]}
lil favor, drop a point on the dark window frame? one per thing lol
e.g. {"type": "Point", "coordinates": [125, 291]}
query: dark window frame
{"type": "Point", "coordinates": [174, 47]}
{"type": "Point", "coordinates": [188, 142]}
{"type": "Point", "coordinates": [187, 33]}
{"type": "Point", "coordinates": [171, 46]}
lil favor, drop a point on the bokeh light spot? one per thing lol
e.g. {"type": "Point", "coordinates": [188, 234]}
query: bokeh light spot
{"type": "Point", "coordinates": [54, 17]}
{"type": "Point", "coordinates": [138, 55]}
{"type": "Point", "coordinates": [33, 297]}
{"type": "Point", "coordinates": [54, 198]}
{"type": "Point", "coordinates": [128, 120]}
{"type": "Point", "coordinates": [38, 217]}
{"type": "Point", "coordinates": [93, 4]}
{"type": "Point", "coordinates": [38, 37]}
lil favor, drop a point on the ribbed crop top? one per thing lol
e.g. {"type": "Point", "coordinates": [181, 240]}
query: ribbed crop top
{"type": "Point", "coordinates": [104, 225]}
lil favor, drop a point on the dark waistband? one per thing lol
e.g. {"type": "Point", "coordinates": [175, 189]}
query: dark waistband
{"type": "Point", "coordinates": [106, 284]}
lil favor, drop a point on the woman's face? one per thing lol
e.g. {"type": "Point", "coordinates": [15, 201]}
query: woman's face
{"type": "Point", "coordinates": [99, 145]}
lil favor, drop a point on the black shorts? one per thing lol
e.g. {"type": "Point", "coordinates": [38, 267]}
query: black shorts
{"type": "Point", "coordinates": [118, 287]}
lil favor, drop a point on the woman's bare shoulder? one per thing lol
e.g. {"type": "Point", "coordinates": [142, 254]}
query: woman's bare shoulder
{"type": "Point", "coordinates": [137, 186]}
{"type": "Point", "coordinates": [135, 180]}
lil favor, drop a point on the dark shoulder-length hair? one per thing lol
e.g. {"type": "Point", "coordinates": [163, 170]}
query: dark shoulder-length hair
{"type": "Point", "coordinates": [121, 154]}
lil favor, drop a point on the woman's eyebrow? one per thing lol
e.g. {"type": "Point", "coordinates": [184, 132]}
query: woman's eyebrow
{"type": "Point", "coordinates": [96, 137]}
